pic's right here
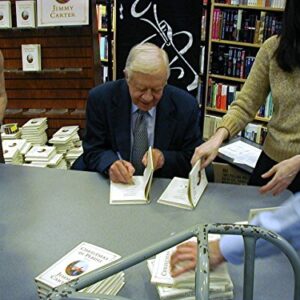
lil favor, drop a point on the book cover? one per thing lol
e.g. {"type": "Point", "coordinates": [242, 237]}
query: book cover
{"type": "Point", "coordinates": [5, 14]}
{"type": "Point", "coordinates": [31, 57]}
{"type": "Point", "coordinates": [25, 13]}
{"type": "Point", "coordinates": [83, 259]}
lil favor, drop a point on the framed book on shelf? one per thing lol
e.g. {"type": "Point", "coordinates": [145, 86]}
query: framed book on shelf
{"type": "Point", "coordinates": [62, 12]}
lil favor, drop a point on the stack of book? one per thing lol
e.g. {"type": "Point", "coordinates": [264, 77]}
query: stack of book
{"type": "Point", "coordinates": [81, 260]}
{"type": "Point", "coordinates": [41, 155]}
{"type": "Point", "coordinates": [183, 286]}
{"type": "Point", "coordinates": [10, 136]}
{"type": "Point", "coordinates": [22, 145]}
{"type": "Point", "coordinates": [65, 138]}
{"type": "Point", "coordinates": [34, 131]}
{"type": "Point", "coordinates": [73, 154]}
{"type": "Point", "coordinates": [12, 156]}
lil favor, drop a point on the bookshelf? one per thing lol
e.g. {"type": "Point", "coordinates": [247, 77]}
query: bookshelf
{"type": "Point", "coordinates": [70, 68]}
{"type": "Point", "coordinates": [105, 11]}
{"type": "Point", "coordinates": [236, 32]}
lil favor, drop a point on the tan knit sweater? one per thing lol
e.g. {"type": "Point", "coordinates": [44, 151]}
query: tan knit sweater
{"type": "Point", "coordinates": [283, 138]}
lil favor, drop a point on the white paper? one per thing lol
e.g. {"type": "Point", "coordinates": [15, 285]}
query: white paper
{"type": "Point", "coordinates": [241, 153]}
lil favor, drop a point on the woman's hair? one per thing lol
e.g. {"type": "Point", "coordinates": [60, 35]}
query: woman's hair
{"type": "Point", "coordinates": [288, 51]}
{"type": "Point", "coordinates": [147, 58]}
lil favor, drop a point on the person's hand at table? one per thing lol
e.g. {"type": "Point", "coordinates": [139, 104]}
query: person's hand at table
{"type": "Point", "coordinates": [208, 151]}
{"type": "Point", "coordinates": [282, 175]}
{"type": "Point", "coordinates": [121, 171]}
{"type": "Point", "coordinates": [184, 259]}
{"type": "Point", "coordinates": [158, 159]}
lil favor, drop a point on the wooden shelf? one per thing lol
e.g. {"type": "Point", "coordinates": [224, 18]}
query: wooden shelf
{"type": "Point", "coordinates": [221, 111]}
{"type": "Point", "coordinates": [236, 43]}
{"type": "Point", "coordinates": [54, 70]}
{"type": "Point", "coordinates": [248, 7]}
{"type": "Point", "coordinates": [236, 79]}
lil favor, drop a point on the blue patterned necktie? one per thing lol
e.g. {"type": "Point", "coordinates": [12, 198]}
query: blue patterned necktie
{"type": "Point", "coordinates": [140, 142]}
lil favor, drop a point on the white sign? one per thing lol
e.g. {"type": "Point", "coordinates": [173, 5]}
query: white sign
{"type": "Point", "coordinates": [62, 12]}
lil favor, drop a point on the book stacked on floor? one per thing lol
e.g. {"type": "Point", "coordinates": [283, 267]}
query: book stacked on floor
{"type": "Point", "coordinates": [65, 138]}
{"type": "Point", "coordinates": [183, 286]}
{"type": "Point", "coordinates": [34, 131]}
{"type": "Point", "coordinates": [22, 145]}
{"type": "Point", "coordinates": [83, 259]}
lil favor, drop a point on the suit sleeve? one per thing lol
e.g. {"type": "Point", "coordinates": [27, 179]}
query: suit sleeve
{"type": "Point", "coordinates": [98, 153]}
{"type": "Point", "coordinates": [188, 137]}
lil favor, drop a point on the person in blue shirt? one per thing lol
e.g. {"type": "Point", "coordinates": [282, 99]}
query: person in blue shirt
{"type": "Point", "coordinates": [285, 221]}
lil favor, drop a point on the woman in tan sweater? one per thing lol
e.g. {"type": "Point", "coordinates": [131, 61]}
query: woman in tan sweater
{"type": "Point", "coordinates": [276, 69]}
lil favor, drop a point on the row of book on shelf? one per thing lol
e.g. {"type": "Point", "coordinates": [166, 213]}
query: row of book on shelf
{"type": "Point", "coordinates": [32, 13]}
{"type": "Point", "coordinates": [102, 19]}
{"type": "Point", "coordinates": [244, 25]}
{"type": "Point", "coordinates": [260, 3]}
{"type": "Point", "coordinates": [221, 95]}
{"type": "Point", "coordinates": [232, 61]}
{"type": "Point", "coordinates": [253, 132]}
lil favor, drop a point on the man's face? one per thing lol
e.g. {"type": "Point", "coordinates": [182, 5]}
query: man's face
{"type": "Point", "coordinates": [146, 90]}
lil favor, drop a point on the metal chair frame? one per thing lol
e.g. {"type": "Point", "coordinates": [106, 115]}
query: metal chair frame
{"type": "Point", "coordinates": [250, 235]}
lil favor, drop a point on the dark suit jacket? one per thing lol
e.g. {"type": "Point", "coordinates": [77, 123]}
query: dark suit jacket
{"type": "Point", "coordinates": [108, 125]}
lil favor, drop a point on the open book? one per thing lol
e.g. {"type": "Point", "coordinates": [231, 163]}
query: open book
{"type": "Point", "coordinates": [138, 191]}
{"type": "Point", "coordinates": [185, 193]}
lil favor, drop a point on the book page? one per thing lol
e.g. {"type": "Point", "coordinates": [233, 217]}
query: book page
{"type": "Point", "coordinates": [138, 191]}
{"type": "Point", "coordinates": [176, 192]}
{"type": "Point", "coordinates": [197, 183]}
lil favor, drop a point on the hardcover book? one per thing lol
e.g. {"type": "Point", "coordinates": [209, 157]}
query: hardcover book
{"type": "Point", "coordinates": [220, 284]}
{"type": "Point", "coordinates": [185, 193]}
{"type": "Point", "coordinates": [81, 260]}
{"type": "Point", "coordinates": [31, 57]}
{"type": "Point", "coordinates": [5, 14]}
{"type": "Point", "coordinates": [138, 191]}
{"type": "Point", "coordinates": [25, 13]}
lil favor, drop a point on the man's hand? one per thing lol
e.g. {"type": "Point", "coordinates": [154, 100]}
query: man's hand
{"type": "Point", "coordinates": [185, 257]}
{"type": "Point", "coordinates": [158, 159]}
{"type": "Point", "coordinates": [121, 171]}
{"type": "Point", "coordinates": [283, 174]}
{"type": "Point", "coordinates": [208, 151]}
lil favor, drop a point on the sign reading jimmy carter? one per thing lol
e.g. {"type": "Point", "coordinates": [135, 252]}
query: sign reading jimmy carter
{"type": "Point", "coordinates": [171, 24]}
{"type": "Point", "coordinates": [62, 12]}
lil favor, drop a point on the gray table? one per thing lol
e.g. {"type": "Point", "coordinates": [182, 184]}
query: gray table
{"type": "Point", "coordinates": [44, 213]}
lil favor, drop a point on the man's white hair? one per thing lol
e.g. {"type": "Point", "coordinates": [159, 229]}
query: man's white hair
{"type": "Point", "coordinates": [147, 58]}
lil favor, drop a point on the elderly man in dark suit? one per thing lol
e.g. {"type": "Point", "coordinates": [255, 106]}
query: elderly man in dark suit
{"type": "Point", "coordinates": [3, 100]}
{"type": "Point", "coordinates": [113, 110]}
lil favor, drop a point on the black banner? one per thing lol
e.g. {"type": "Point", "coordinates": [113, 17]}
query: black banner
{"type": "Point", "coordinates": [172, 25]}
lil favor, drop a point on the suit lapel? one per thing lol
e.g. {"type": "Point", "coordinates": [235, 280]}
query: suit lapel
{"type": "Point", "coordinates": [121, 120]}
{"type": "Point", "coordinates": [165, 123]}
